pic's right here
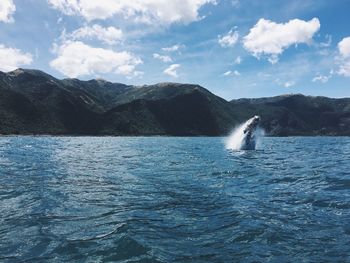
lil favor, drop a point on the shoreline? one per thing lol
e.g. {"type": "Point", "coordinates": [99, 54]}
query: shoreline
{"type": "Point", "coordinates": [155, 135]}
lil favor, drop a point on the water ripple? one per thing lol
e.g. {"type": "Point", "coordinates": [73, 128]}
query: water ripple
{"type": "Point", "coordinates": [173, 200]}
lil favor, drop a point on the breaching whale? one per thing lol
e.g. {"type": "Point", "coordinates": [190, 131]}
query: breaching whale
{"type": "Point", "coordinates": [249, 139]}
{"type": "Point", "coordinates": [244, 137]}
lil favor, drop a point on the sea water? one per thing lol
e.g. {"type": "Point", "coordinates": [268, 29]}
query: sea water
{"type": "Point", "coordinates": [159, 199]}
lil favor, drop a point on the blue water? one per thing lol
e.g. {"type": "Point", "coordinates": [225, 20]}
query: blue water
{"type": "Point", "coordinates": [161, 199]}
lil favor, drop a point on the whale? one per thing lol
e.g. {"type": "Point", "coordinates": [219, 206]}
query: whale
{"type": "Point", "coordinates": [245, 136]}
{"type": "Point", "coordinates": [249, 133]}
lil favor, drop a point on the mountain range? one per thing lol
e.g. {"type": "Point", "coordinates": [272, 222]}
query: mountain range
{"type": "Point", "coordinates": [33, 102]}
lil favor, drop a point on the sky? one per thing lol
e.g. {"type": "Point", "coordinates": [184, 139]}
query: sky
{"type": "Point", "coordinates": [234, 48]}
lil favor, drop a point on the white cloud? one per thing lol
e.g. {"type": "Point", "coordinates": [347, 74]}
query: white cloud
{"type": "Point", "coordinates": [165, 59]}
{"type": "Point", "coordinates": [59, 20]}
{"type": "Point", "coordinates": [173, 48]}
{"type": "Point", "coordinates": [228, 40]}
{"type": "Point", "coordinates": [289, 84]}
{"type": "Point", "coordinates": [68, 7]}
{"type": "Point", "coordinates": [236, 73]}
{"type": "Point", "coordinates": [146, 11]}
{"type": "Point", "coordinates": [7, 9]}
{"type": "Point", "coordinates": [345, 69]}
{"type": "Point", "coordinates": [109, 35]}
{"type": "Point", "coordinates": [344, 47]}
{"type": "Point", "coordinates": [171, 70]}
{"type": "Point", "coordinates": [273, 59]}
{"type": "Point", "coordinates": [238, 60]}
{"type": "Point", "coordinates": [285, 84]}
{"type": "Point", "coordinates": [12, 58]}
{"type": "Point", "coordinates": [344, 60]}
{"type": "Point", "coordinates": [232, 73]}
{"type": "Point", "coordinates": [321, 78]}
{"type": "Point", "coordinates": [271, 39]}
{"type": "Point", "coordinates": [77, 59]}
{"type": "Point", "coordinates": [138, 74]}
{"type": "Point", "coordinates": [327, 43]}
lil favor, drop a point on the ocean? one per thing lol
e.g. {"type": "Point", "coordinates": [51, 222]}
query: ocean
{"type": "Point", "coordinates": [169, 199]}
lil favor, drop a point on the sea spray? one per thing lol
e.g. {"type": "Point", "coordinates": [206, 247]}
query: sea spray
{"type": "Point", "coordinates": [246, 136]}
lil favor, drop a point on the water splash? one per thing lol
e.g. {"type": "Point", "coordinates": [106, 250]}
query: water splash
{"type": "Point", "coordinates": [240, 139]}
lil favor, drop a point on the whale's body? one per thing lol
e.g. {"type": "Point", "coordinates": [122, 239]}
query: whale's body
{"type": "Point", "coordinates": [244, 137]}
{"type": "Point", "coordinates": [249, 136]}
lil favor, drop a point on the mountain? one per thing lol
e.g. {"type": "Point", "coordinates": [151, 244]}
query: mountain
{"type": "Point", "coordinates": [170, 109]}
{"type": "Point", "coordinates": [297, 114]}
{"type": "Point", "coordinates": [103, 92]}
{"type": "Point", "coordinates": [33, 102]}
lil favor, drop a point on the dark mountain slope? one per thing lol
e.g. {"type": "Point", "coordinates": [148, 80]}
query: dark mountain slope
{"type": "Point", "coordinates": [171, 110]}
{"type": "Point", "coordinates": [167, 90]}
{"type": "Point", "coordinates": [17, 113]}
{"type": "Point", "coordinates": [33, 102]}
{"type": "Point", "coordinates": [105, 93]}
{"type": "Point", "coordinates": [72, 106]}
{"type": "Point", "coordinates": [49, 108]}
{"type": "Point", "coordinates": [298, 114]}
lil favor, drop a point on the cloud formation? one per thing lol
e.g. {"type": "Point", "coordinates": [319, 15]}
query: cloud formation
{"type": "Point", "coordinates": [78, 59]}
{"type": "Point", "coordinates": [345, 68]}
{"type": "Point", "coordinates": [109, 35]}
{"type": "Point", "coordinates": [271, 39]}
{"type": "Point", "coordinates": [289, 84]}
{"type": "Point", "coordinates": [286, 84]}
{"type": "Point", "coordinates": [321, 78]}
{"type": "Point", "coordinates": [173, 48]}
{"type": "Point", "coordinates": [344, 51]}
{"type": "Point", "coordinates": [7, 9]}
{"type": "Point", "coordinates": [12, 58]}
{"type": "Point", "coordinates": [146, 11]}
{"type": "Point", "coordinates": [344, 47]}
{"type": "Point", "coordinates": [238, 60]}
{"type": "Point", "coordinates": [228, 40]}
{"type": "Point", "coordinates": [165, 59]}
{"type": "Point", "coordinates": [232, 73]}
{"type": "Point", "coordinates": [172, 70]}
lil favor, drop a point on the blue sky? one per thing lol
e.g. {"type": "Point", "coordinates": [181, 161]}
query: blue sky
{"type": "Point", "coordinates": [234, 48]}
